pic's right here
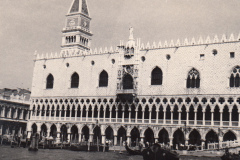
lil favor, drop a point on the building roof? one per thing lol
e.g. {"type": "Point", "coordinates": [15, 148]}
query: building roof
{"type": "Point", "coordinates": [79, 6]}
{"type": "Point", "coordinates": [7, 93]}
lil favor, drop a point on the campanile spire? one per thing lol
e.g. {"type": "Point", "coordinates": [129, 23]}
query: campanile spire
{"type": "Point", "coordinates": [77, 34]}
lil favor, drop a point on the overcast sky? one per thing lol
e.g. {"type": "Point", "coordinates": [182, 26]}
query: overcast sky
{"type": "Point", "coordinates": [27, 26]}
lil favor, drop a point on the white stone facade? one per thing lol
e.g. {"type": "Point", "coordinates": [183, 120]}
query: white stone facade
{"type": "Point", "coordinates": [170, 109]}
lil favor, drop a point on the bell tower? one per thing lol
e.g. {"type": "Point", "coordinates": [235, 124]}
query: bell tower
{"type": "Point", "coordinates": [77, 34]}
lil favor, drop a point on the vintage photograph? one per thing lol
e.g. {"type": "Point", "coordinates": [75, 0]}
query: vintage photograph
{"type": "Point", "coordinates": [120, 79]}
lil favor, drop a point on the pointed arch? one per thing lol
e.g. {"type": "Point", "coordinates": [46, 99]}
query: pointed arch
{"type": "Point", "coordinates": [211, 137]}
{"type": "Point", "coordinates": [50, 81]}
{"type": "Point", "coordinates": [156, 76]}
{"type": "Point", "coordinates": [149, 135]}
{"type": "Point", "coordinates": [74, 134]}
{"type": "Point", "coordinates": [103, 79]}
{"type": "Point", "coordinates": [127, 82]}
{"type": "Point", "coordinates": [135, 136]}
{"type": "Point", "coordinates": [109, 133]}
{"type": "Point", "coordinates": [85, 133]}
{"type": "Point", "coordinates": [121, 133]}
{"type": "Point", "coordinates": [229, 136]}
{"type": "Point", "coordinates": [195, 137]}
{"type": "Point", "coordinates": [163, 136]}
{"type": "Point", "coordinates": [74, 80]}
{"type": "Point", "coordinates": [53, 131]}
{"type": "Point", "coordinates": [178, 139]}
{"type": "Point", "coordinates": [234, 80]}
{"type": "Point", "coordinates": [193, 79]}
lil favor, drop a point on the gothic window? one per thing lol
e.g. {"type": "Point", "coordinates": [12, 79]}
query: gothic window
{"type": "Point", "coordinates": [75, 80]}
{"type": "Point", "coordinates": [156, 76]}
{"type": "Point", "coordinates": [103, 79]}
{"type": "Point", "coordinates": [50, 81]}
{"type": "Point", "coordinates": [234, 80]}
{"type": "Point", "coordinates": [127, 82]}
{"type": "Point", "coordinates": [193, 80]}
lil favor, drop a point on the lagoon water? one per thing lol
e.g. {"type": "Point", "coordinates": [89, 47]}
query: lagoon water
{"type": "Point", "coordinates": [8, 153]}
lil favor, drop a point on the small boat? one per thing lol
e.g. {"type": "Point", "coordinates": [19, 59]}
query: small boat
{"type": "Point", "coordinates": [157, 153]}
{"type": "Point", "coordinates": [132, 152]}
{"type": "Point", "coordinates": [230, 156]}
{"type": "Point", "coordinates": [86, 147]}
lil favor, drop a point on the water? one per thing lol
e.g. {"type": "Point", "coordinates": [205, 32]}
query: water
{"type": "Point", "coordinates": [8, 153]}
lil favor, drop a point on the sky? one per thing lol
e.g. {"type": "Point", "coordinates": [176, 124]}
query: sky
{"type": "Point", "coordinates": [27, 26]}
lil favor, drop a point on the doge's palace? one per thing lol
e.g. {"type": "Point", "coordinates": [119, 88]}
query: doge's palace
{"type": "Point", "coordinates": [173, 92]}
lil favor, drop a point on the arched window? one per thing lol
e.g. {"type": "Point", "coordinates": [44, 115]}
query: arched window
{"type": "Point", "coordinates": [75, 80]}
{"type": "Point", "coordinates": [156, 76]}
{"type": "Point", "coordinates": [127, 82]}
{"type": "Point", "coordinates": [193, 80]}
{"type": "Point", "coordinates": [234, 80]}
{"type": "Point", "coordinates": [50, 81]}
{"type": "Point", "coordinates": [103, 79]}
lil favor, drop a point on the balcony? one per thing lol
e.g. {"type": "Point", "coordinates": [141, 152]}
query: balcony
{"type": "Point", "coordinates": [126, 91]}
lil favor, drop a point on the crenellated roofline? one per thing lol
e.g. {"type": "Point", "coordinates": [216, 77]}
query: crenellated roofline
{"type": "Point", "coordinates": [171, 44]}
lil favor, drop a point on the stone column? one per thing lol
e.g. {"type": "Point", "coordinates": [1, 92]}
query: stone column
{"type": "Point", "coordinates": [230, 118]}
{"type": "Point", "coordinates": [115, 140]}
{"type": "Point", "coordinates": [136, 116]}
{"type": "Point", "coordinates": [171, 142]}
{"type": "Point", "coordinates": [58, 137]}
{"type": "Point", "coordinates": [129, 116]}
{"type": "Point", "coordinates": [143, 116]}
{"type": "Point", "coordinates": [40, 114]}
{"type": "Point", "coordinates": [9, 112]}
{"type": "Point", "coordinates": [28, 112]}
{"type": "Point", "coordinates": [195, 117]}
{"type": "Point", "coordinates": [65, 114]}
{"type": "Point", "coordinates": [103, 139]}
{"type": "Point", "coordinates": [171, 117]}
{"type": "Point", "coordinates": [48, 133]}
{"type": "Point", "coordinates": [212, 118]}
{"type": "Point", "coordinates": [50, 114]}
{"type": "Point", "coordinates": [221, 120]}
{"type": "Point", "coordinates": [1, 128]}
{"type": "Point", "coordinates": [60, 114]}
{"type": "Point", "coordinates": [142, 139]}
{"type": "Point", "coordinates": [187, 119]}
{"type": "Point", "coordinates": [157, 112]}
{"type": "Point", "coordinates": [86, 114]}
{"type": "Point", "coordinates": [98, 113]}
{"type": "Point", "coordinates": [92, 113]}
{"type": "Point", "coordinates": [104, 114]}
{"type": "Point", "coordinates": [220, 141]}
{"type": "Point", "coordinates": [128, 140]}
{"type": "Point", "coordinates": [116, 115]}
{"type": "Point", "coordinates": [81, 115]}
{"type": "Point", "coordinates": [110, 116]}
{"type": "Point", "coordinates": [75, 114]}
{"type": "Point", "coordinates": [45, 113]}
{"type": "Point", "coordinates": [150, 116]}
{"type": "Point", "coordinates": [20, 114]}
{"type": "Point", "coordinates": [79, 137]}
{"type": "Point", "coordinates": [203, 144]}
{"type": "Point", "coordinates": [179, 117]}
{"type": "Point", "coordinates": [164, 116]}
{"type": "Point", "coordinates": [204, 118]}
{"type": "Point", "coordinates": [69, 137]}
{"type": "Point", "coordinates": [3, 112]}
{"type": "Point", "coordinates": [123, 115]}
{"type": "Point", "coordinates": [15, 113]}
{"type": "Point", "coordinates": [55, 113]}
